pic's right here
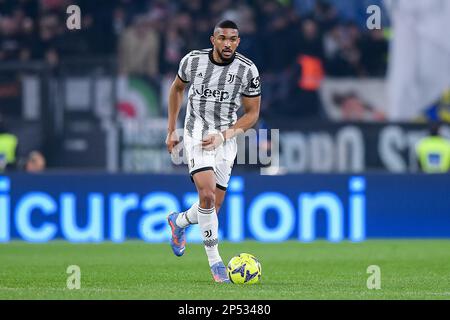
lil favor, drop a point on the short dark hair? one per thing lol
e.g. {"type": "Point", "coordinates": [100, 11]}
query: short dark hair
{"type": "Point", "coordinates": [226, 24]}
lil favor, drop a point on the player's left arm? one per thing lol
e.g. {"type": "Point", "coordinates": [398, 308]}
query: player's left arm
{"type": "Point", "coordinates": [251, 102]}
{"type": "Point", "coordinates": [248, 120]}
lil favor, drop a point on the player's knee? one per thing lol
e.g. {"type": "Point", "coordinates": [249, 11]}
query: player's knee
{"type": "Point", "coordinates": [207, 198]}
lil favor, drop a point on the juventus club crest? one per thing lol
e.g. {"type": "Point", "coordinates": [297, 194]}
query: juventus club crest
{"type": "Point", "coordinates": [208, 233]}
{"type": "Point", "coordinates": [231, 78]}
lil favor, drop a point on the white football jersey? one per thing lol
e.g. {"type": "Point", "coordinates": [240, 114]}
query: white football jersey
{"type": "Point", "coordinates": [215, 90]}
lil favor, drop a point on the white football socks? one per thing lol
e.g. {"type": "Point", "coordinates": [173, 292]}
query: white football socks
{"type": "Point", "coordinates": [188, 217]}
{"type": "Point", "coordinates": [209, 225]}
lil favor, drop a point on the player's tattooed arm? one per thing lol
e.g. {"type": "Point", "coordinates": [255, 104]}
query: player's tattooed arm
{"type": "Point", "coordinates": [248, 120]}
{"type": "Point", "coordinates": [176, 95]}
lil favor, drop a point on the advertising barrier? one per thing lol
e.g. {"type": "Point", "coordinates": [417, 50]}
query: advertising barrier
{"type": "Point", "coordinates": [350, 147]}
{"type": "Point", "coordinates": [100, 207]}
{"type": "Point", "coordinates": [304, 147]}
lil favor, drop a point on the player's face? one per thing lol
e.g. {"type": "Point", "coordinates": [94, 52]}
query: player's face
{"type": "Point", "coordinates": [225, 42]}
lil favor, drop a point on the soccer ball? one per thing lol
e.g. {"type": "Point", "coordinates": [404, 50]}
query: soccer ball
{"type": "Point", "coordinates": [244, 269]}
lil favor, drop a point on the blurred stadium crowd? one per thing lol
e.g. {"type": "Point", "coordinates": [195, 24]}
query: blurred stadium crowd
{"type": "Point", "coordinates": [293, 43]}
{"type": "Point", "coordinates": [97, 97]}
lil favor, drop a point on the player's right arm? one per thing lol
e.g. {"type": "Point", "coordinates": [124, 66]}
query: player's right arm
{"type": "Point", "coordinates": [176, 94]}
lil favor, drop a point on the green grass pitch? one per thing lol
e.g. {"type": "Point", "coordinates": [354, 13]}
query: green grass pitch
{"type": "Point", "coordinates": [410, 269]}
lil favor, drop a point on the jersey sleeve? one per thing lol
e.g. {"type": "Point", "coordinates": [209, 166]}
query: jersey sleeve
{"type": "Point", "coordinates": [184, 69]}
{"type": "Point", "coordinates": [252, 83]}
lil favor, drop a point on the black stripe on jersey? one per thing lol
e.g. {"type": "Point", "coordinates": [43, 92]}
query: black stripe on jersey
{"type": "Point", "coordinates": [191, 120]}
{"type": "Point", "coordinates": [198, 53]}
{"type": "Point", "coordinates": [251, 96]}
{"type": "Point", "coordinates": [179, 77]}
{"type": "Point", "coordinates": [183, 74]}
{"type": "Point", "coordinates": [249, 79]}
{"type": "Point", "coordinates": [220, 86]}
{"type": "Point", "coordinates": [202, 105]}
{"type": "Point", "coordinates": [237, 84]}
{"type": "Point", "coordinates": [242, 60]}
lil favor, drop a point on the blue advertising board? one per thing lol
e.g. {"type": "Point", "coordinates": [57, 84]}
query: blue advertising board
{"type": "Point", "coordinates": [105, 207]}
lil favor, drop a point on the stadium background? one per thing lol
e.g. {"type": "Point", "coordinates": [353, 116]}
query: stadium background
{"type": "Point", "coordinates": [93, 102]}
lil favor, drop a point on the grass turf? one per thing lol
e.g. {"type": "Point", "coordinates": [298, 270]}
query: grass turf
{"type": "Point", "coordinates": [410, 269]}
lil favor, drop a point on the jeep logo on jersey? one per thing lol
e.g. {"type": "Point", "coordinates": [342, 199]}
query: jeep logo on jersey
{"type": "Point", "coordinates": [208, 93]}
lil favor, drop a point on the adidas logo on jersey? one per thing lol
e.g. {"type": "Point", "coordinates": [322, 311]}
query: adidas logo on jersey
{"type": "Point", "coordinates": [204, 92]}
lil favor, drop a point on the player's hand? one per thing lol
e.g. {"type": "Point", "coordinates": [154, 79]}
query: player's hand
{"type": "Point", "coordinates": [212, 141]}
{"type": "Point", "coordinates": [172, 140]}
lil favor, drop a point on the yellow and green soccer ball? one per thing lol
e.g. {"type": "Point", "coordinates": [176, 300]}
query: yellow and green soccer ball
{"type": "Point", "coordinates": [244, 269]}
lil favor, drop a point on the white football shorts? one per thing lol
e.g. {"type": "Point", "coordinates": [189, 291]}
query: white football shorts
{"type": "Point", "coordinates": [220, 160]}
